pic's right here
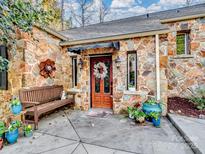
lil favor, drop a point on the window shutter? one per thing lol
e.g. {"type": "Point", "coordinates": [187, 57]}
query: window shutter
{"type": "Point", "coordinates": [3, 75]}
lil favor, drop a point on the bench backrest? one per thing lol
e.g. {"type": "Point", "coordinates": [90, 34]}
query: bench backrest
{"type": "Point", "coordinates": [41, 94]}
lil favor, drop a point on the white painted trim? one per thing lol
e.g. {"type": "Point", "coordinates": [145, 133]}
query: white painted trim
{"type": "Point", "coordinates": [157, 67]}
{"type": "Point", "coordinates": [190, 17]}
{"type": "Point", "coordinates": [114, 38]}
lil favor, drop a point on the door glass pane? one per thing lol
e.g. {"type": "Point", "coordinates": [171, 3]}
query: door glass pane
{"type": "Point", "coordinates": [107, 79]}
{"type": "Point", "coordinates": [97, 85]}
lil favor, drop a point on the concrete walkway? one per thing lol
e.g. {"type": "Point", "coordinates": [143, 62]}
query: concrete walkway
{"type": "Point", "coordinates": [76, 132]}
{"type": "Point", "coordinates": [192, 129]}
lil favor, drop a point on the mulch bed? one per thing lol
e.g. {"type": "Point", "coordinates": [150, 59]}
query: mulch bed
{"type": "Point", "coordinates": [182, 106]}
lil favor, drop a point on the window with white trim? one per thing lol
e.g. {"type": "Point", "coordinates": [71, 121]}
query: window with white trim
{"type": "Point", "coordinates": [74, 71]}
{"type": "Point", "coordinates": [132, 71]}
{"type": "Point", "coordinates": [182, 41]}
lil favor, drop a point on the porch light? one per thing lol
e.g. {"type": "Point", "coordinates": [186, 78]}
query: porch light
{"type": "Point", "coordinates": [118, 61]}
{"type": "Point", "coordinates": [80, 63]}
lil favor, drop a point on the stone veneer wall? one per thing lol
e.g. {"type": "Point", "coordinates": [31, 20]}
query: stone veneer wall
{"type": "Point", "coordinates": [178, 73]}
{"type": "Point", "coordinates": [24, 71]}
{"type": "Point", "coordinates": [185, 74]}
{"type": "Point", "coordinates": [146, 68]}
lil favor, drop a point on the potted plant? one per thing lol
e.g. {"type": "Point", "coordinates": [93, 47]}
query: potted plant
{"type": "Point", "coordinates": [12, 132]}
{"type": "Point", "coordinates": [16, 106]}
{"type": "Point", "coordinates": [2, 131]}
{"type": "Point", "coordinates": [139, 116]}
{"type": "Point", "coordinates": [130, 111]}
{"type": "Point", "coordinates": [28, 132]}
{"type": "Point", "coordinates": [155, 118]}
{"type": "Point", "coordinates": [151, 105]}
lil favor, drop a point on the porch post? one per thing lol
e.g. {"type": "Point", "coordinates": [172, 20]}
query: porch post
{"type": "Point", "coordinates": [157, 66]}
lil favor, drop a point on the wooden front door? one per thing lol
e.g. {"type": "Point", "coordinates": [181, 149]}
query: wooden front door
{"type": "Point", "coordinates": [101, 87]}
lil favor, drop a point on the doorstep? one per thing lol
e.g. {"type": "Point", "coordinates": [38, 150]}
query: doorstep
{"type": "Point", "coordinates": [192, 130]}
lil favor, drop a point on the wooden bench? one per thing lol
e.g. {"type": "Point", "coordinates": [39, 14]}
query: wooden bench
{"type": "Point", "coordinates": [39, 100]}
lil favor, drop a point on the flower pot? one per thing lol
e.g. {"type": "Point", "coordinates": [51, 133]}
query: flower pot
{"type": "Point", "coordinates": [12, 136]}
{"type": "Point", "coordinates": [157, 122]}
{"type": "Point", "coordinates": [1, 143]}
{"type": "Point", "coordinates": [28, 134]}
{"type": "Point", "coordinates": [148, 108]}
{"type": "Point", "coordinates": [16, 109]}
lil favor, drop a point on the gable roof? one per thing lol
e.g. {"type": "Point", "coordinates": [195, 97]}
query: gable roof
{"type": "Point", "coordinates": [136, 24]}
{"type": "Point", "coordinates": [52, 32]}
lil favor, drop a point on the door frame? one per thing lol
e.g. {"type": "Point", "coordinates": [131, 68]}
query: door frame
{"type": "Point", "coordinates": [97, 56]}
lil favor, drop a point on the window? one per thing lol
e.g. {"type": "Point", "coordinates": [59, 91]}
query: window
{"type": "Point", "coordinates": [132, 71]}
{"type": "Point", "coordinates": [182, 43]}
{"type": "Point", "coordinates": [3, 75]}
{"type": "Point", "coordinates": [74, 71]}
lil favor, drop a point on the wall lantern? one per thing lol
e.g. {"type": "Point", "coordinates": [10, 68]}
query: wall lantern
{"type": "Point", "coordinates": [118, 61]}
{"type": "Point", "coordinates": [80, 63]}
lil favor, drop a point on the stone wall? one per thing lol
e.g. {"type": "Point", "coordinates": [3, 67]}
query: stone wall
{"type": "Point", "coordinates": [24, 71]}
{"type": "Point", "coordinates": [179, 74]}
{"type": "Point", "coordinates": [186, 73]}
{"type": "Point", "coordinates": [146, 69]}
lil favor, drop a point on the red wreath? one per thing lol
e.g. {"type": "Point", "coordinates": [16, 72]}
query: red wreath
{"type": "Point", "coordinates": [47, 68]}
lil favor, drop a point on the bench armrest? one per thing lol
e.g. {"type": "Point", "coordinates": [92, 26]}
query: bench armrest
{"type": "Point", "coordinates": [30, 103]}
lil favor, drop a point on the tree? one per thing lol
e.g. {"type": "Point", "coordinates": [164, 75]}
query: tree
{"type": "Point", "coordinates": [21, 15]}
{"type": "Point", "coordinates": [188, 2]}
{"type": "Point", "coordinates": [62, 14]}
{"type": "Point", "coordinates": [103, 11]}
{"type": "Point", "coordinates": [53, 7]}
{"type": "Point", "coordinates": [82, 14]}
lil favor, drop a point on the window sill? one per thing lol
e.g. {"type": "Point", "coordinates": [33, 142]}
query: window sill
{"type": "Point", "coordinates": [182, 57]}
{"type": "Point", "coordinates": [127, 92]}
{"type": "Point", "coordinates": [73, 90]}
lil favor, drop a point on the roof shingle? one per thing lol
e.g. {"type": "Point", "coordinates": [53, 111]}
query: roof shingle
{"type": "Point", "coordinates": [136, 24]}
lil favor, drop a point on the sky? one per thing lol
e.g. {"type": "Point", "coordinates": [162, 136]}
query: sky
{"type": "Point", "coordinates": [127, 8]}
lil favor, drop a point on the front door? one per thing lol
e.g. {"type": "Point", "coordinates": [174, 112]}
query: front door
{"type": "Point", "coordinates": [101, 82]}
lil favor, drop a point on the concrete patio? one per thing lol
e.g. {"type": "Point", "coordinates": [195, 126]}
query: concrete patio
{"type": "Point", "coordinates": [76, 132]}
{"type": "Point", "coordinates": [192, 129]}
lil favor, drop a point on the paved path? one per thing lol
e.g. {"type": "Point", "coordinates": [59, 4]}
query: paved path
{"type": "Point", "coordinates": [75, 132]}
{"type": "Point", "coordinates": [192, 129]}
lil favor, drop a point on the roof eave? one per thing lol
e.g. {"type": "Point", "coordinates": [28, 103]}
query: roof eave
{"type": "Point", "coordinates": [114, 38]}
{"type": "Point", "coordinates": [182, 18]}
{"type": "Point", "coordinates": [52, 32]}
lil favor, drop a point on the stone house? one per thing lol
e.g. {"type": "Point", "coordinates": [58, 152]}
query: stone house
{"type": "Point", "coordinates": [116, 63]}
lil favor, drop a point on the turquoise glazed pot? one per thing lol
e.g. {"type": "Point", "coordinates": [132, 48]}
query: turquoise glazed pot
{"type": "Point", "coordinates": [16, 109]}
{"type": "Point", "coordinates": [148, 108]}
{"type": "Point", "coordinates": [12, 136]}
{"type": "Point", "coordinates": [157, 122]}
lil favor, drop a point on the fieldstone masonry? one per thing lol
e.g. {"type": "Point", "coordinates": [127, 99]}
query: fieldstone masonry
{"type": "Point", "coordinates": [178, 74]}
{"type": "Point", "coordinates": [186, 73]}
{"type": "Point", "coordinates": [24, 71]}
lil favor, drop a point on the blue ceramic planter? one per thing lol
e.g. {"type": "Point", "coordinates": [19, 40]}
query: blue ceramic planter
{"type": "Point", "coordinates": [16, 109]}
{"type": "Point", "coordinates": [157, 122]}
{"type": "Point", "coordinates": [12, 136]}
{"type": "Point", "coordinates": [148, 108]}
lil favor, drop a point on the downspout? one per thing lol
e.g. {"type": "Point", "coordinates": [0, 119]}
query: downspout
{"type": "Point", "coordinates": [157, 67]}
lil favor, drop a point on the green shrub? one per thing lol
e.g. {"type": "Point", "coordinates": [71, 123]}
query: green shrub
{"type": "Point", "coordinates": [151, 101]}
{"type": "Point", "coordinates": [154, 115]}
{"type": "Point", "coordinates": [2, 128]}
{"type": "Point", "coordinates": [198, 98]}
{"type": "Point", "coordinates": [14, 125]}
